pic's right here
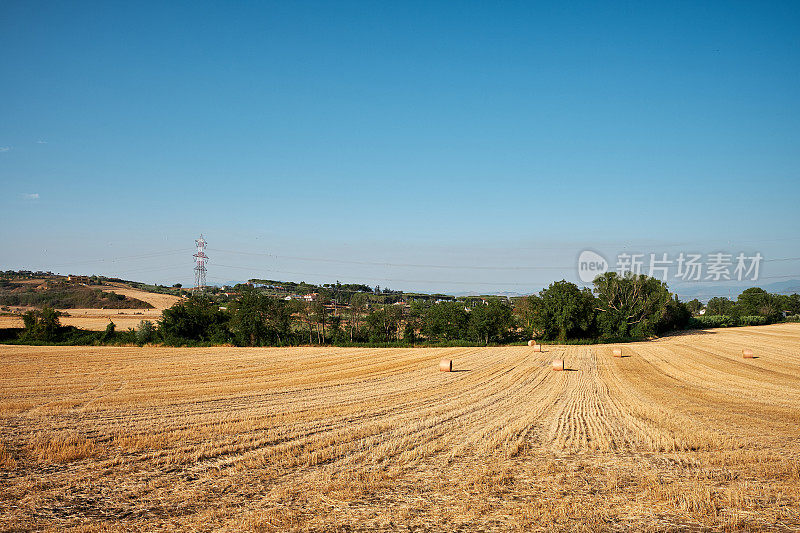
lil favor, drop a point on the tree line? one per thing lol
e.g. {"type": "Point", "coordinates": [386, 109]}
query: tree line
{"type": "Point", "coordinates": [257, 319]}
{"type": "Point", "coordinates": [617, 308]}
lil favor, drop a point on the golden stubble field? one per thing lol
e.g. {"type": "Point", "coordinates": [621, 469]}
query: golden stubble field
{"type": "Point", "coordinates": [680, 433]}
{"type": "Point", "coordinates": [98, 319]}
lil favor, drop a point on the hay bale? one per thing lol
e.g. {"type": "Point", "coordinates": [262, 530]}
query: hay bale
{"type": "Point", "coordinates": [617, 352]}
{"type": "Point", "coordinates": [558, 364]}
{"type": "Point", "coordinates": [446, 365]}
{"type": "Point", "coordinates": [747, 354]}
{"type": "Point", "coordinates": [531, 343]}
{"type": "Point", "coordinates": [537, 347]}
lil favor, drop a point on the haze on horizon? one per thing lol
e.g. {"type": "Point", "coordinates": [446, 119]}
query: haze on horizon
{"type": "Point", "coordinates": [403, 145]}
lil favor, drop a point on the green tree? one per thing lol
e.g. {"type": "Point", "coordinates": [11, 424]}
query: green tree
{"type": "Point", "coordinates": [335, 328]}
{"type": "Point", "coordinates": [719, 305]}
{"type": "Point", "coordinates": [489, 322]}
{"type": "Point", "coordinates": [146, 332]}
{"type": "Point", "coordinates": [196, 319]}
{"type": "Point", "coordinates": [445, 321]}
{"type": "Point", "coordinates": [42, 324]}
{"type": "Point", "coordinates": [303, 311]}
{"type": "Point", "coordinates": [757, 301]}
{"type": "Point", "coordinates": [413, 321]}
{"type": "Point", "coordinates": [694, 306]}
{"type": "Point", "coordinates": [789, 303]}
{"type": "Point", "coordinates": [392, 317]}
{"type": "Point", "coordinates": [258, 319]}
{"type": "Point", "coordinates": [676, 316]}
{"type": "Point", "coordinates": [383, 323]}
{"type": "Point", "coordinates": [526, 309]}
{"type": "Point", "coordinates": [110, 332]}
{"type": "Point", "coordinates": [630, 305]}
{"type": "Point", "coordinates": [358, 306]}
{"type": "Point", "coordinates": [563, 311]}
{"type": "Point", "coordinates": [319, 314]}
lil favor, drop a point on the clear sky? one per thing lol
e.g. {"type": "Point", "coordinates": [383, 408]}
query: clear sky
{"type": "Point", "coordinates": [441, 134]}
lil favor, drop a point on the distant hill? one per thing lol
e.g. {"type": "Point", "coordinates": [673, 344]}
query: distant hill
{"type": "Point", "coordinates": [690, 291]}
{"type": "Point", "coordinates": [61, 294]}
{"type": "Point", "coordinates": [706, 291]}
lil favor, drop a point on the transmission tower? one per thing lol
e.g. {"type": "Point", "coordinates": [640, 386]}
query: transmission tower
{"type": "Point", "coordinates": [200, 259]}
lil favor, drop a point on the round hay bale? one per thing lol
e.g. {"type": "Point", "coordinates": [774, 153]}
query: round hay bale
{"type": "Point", "coordinates": [446, 365]}
{"type": "Point", "coordinates": [617, 352]}
{"type": "Point", "coordinates": [558, 364]}
{"type": "Point", "coordinates": [537, 347]}
{"type": "Point", "coordinates": [747, 354]}
{"type": "Point", "coordinates": [531, 343]}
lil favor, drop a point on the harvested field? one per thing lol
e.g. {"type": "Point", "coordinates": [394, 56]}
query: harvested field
{"type": "Point", "coordinates": [157, 300]}
{"type": "Point", "coordinates": [93, 321]}
{"type": "Point", "coordinates": [98, 319]}
{"type": "Point", "coordinates": [680, 433]}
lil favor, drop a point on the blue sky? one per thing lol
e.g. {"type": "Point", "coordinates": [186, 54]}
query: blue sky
{"type": "Point", "coordinates": [432, 133]}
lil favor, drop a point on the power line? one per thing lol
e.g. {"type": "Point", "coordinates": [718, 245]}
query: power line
{"type": "Point", "coordinates": [421, 265]}
{"type": "Point", "coordinates": [125, 257]}
{"type": "Point", "coordinates": [398, 280]}
{"type": "Point", "coordinates": [782, 259]}
{"type": "Point", "coordinates": [394, 280]}
{"type": "Point", "coordinates": [388, 264]}
{"type": "Point", "coordinates": [166, 253]}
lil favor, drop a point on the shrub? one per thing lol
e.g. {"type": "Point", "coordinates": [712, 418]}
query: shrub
{"type": "Point", "coordinates": [675, 316]}
{"type": "Point", "coordinates": [752, 320]}
{"type": "Point", "coordinates": [42, 325]}
{"type": "Point", "coordinates": [146, 332]}
{"type": "Point", "coordinates": [108, 334]}
{"type": "Point", "coordinates": [259, 320]}
{"type": "Point", "coordinates": [711, 321]}
{"type": "Point", "coordinates": [197, 319]}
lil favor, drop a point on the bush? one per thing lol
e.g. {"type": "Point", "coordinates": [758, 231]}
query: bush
{"type": "Point", "coordinates": [146, 332]}
{"type": "Point", "coordinates": [711, 321]}
{"type": "Point", "coordinates": [42, 325]}
{"type": "Point", "coordinates": [108, 334]}
{"type": "Point", "coordinates": [793, 318]}
{"type": "Point", "coordinates": [259, 320]}
{"type": "Point", "coordinates": [675, 316]}
{"type": "Point", "coordinates": [752, 320]}
{"type": "Point", "coordinates": [196, 320]}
